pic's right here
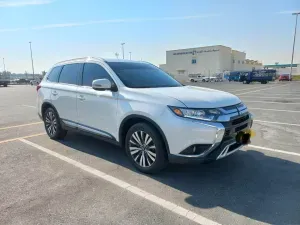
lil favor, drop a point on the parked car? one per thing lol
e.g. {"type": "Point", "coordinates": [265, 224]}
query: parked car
{"type": "Point", "coordinates": [213, 79]}
{"type": "Point", "coordinates": [198, 78]}
{"type": "Point", "coordinates": [144, 110]}
{"type": "Point", "coordinates": [34, 82]}
{"type": "Point", "coordinates": [284, 77]}
{"type": "Point", "coordinates": [4, 79]}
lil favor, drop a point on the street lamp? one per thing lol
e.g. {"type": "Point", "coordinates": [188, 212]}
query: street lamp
{"type": "Point", "coordinates": [130, 55]}
{"type": "Point", "coordinates": [123, 49]}
{"type": "Point", "coordinates": [31, 60]}
{"type": "Point", "coordinates": [3, 66]}
{"type": "Point", "coordinates": [294, 14]}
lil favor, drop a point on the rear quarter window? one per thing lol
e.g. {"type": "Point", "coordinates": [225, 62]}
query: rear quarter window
{"type": "Point", "coordinates": [54, 74]}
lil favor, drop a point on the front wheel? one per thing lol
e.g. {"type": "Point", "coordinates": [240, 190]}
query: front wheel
{"type": "Point", "coordinates": [52, 124]}
{"type": "Point", "coordinates": [145, 148]}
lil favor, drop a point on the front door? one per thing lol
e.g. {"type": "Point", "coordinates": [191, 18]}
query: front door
{"type": "Point", "coordinates": [97, 110]}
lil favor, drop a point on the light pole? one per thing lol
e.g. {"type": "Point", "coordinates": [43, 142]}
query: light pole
{"type": "Point", "coordinates": [117, 55]}
{"type": "Point", "coordinates": [294, 44]}
{"type": "Point", "coordinates": [123, 49]}
{"type": "Point", "coordinates": [31, 59]}
{"type": "Point", "coordinates": [3, 65]}
{"type": "Point", "coordinates": [130, 55]}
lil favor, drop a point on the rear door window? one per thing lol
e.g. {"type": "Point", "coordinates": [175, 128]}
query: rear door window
{"type": "Point", "coordinates": [93, 71]}
{"type": "Point", "coordinates": [70, 73]}
{"type": "Point", "coordinates": [54, 74]}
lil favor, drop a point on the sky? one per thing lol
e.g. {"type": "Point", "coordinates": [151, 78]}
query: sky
{"type": "Point", "coordinates": [65, 29]}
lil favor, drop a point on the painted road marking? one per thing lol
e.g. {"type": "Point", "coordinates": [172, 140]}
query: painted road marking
{"type": "Point", "coordinates": [278, 110]}
{"type": "Point", "coordinates": [262, 89]}
{"type": "Point", "coordinates": [258, 94]}
{"type": "Point", "coordinates": [30, 106]}
{"type": "Point", "coordinates": [21, 125]}
{"type": "Point", "coordinates": [269, 97]}
{"type": "Point", "coordinates": [274, 150]}
{"type": "Point", "coordinates": [18, 138]}
{"type": "Point", "coordinates": [289, 124]}
{"type": "Point", "coordinates": [269, 102]}
{"type": "Point", "coordinates": [122, 184]}
{"type": "Point", "coordinates": [238, 90]}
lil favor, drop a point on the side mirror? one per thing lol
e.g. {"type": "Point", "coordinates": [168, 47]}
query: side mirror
{"type": "Point", "coordinates": [101, 85]}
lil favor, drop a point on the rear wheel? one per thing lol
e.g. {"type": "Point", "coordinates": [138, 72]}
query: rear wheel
{"type": "Point", "coordinates": [145, 148]}
{"type": "Point", "coordinates": [192, 80]}
{"type": "Point", "coordinates": [52, 124]}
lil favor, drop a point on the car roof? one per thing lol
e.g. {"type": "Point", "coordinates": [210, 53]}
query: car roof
{"type": "Point", "coordinates": [89, 58]}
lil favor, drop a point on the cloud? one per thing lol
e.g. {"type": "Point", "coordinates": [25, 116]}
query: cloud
{"type": "Point", "coordinates": [19, 3]}
{"type": "Point", "coordinates": [288, 12]}
{"type": "Point", "coordinates": [134, 20]}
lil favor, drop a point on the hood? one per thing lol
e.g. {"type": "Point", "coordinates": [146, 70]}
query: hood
{"type": "Point", "coordinates": [196, 97]}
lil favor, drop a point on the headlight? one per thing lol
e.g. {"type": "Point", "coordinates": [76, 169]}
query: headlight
{"type": "Point", "coordinates": [199, 114]}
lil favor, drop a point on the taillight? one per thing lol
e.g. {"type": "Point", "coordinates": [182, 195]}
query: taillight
{"type": "Point", "coordinates": [38, 87]}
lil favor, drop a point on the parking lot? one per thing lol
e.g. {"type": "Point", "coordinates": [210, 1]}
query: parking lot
{"type": "Point", "coordinates": [82, 180]}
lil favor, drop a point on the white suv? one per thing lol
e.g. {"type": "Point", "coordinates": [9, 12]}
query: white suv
{"type": "Point", "coordinates": [141, 108]}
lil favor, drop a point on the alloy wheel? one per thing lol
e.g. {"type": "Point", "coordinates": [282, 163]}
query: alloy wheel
{"type": "Point", "coordinates": [51, 123]}
{"type": "Point", "coordinates": [142, 148]}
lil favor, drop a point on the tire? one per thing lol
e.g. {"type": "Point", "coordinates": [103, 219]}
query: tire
{"type": "Point", "coordinates": [203, 80]}
{"type": "Point", "coordinates": [150, 147]}
{"type": "Point", "coordinates": [51, 119]}
{"type": "Point", "coordinates": [5, 85]}
{"type": "Point", "coordinates": [192, 80]}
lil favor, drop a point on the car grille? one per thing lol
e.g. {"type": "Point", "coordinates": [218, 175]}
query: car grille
{"type": "Point", "coordinates": [241, 127]}
{"type": "Point", "coordinates": [240, 120]}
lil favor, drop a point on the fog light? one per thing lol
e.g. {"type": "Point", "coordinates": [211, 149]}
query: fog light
{"type": "Point", "coordinates": [243, 137]}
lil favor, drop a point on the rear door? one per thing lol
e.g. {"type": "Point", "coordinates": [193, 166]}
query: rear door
{"type": "Point", "coordinates": [97, 110]}
{"type": "Point", "coordinates": [64, 93]}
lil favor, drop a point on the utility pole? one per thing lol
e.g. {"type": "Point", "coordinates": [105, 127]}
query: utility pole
{"type": "Point", "coordinates": [123, 49]}
{"type": "Point", "coordinates": [31, 59]}
{"type": "Point", "coordinates": [291, 73]}
{"type": "Point", "coordinates": [130, 55]}
{"type": "Point", "coordinates": [3, 66]}
{"type": "Point", "coordinates": [117, 55]}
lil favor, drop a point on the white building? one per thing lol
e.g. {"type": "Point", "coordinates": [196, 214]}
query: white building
{"type": "Point", "coordinates": [209, 61]}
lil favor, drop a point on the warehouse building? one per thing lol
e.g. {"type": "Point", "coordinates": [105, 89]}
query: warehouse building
{"type": "Point", "coordinates": [208, 61]}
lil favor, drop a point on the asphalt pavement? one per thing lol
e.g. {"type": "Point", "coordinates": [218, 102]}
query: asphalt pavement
{"type": "Point", "coordinates": [82, 180]}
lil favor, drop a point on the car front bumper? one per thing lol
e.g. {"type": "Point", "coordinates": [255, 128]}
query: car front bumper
{"type": "Point", "coordinates": [195, 141]}
{"type": "Point", "coordinates": [224, 149]}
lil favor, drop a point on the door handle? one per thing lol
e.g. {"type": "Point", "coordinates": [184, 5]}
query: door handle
{"type": "Point", "coordinates": [81, 98]}
{"type": "Point", "coordinates": [54, 93]}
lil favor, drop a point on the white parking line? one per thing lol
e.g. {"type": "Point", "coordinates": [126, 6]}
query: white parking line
{"type": "Point", "coordinates": [278, 110]}
{"type": "Point", "coordinates": [258, 94]}
{"type": "Point", "coordinates": [269, 97]}
{"type": "Point", "coordinates": [289, 124]}
{"type": "Point", "coordinates": [262, 89]}
{"type": "Point", "coordinates": [274, 150]}
{"type": "Point", "coordinates": [270, 102]}
{"type": "Point", "coordinates": [22, 125]}
{"type": "Point", "coordinates": [135, 190]}
{"type": "Point", "coordinates": [30, 106]}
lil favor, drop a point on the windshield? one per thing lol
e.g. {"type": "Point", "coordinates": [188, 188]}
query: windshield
{"type": "Point", "coordinates": [142, 75]}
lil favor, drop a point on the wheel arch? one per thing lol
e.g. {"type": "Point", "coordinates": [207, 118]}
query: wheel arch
{"type": "Point", "coordinates": [133, 119]}
{"type": "Point", "coordinates": [45, 106]}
